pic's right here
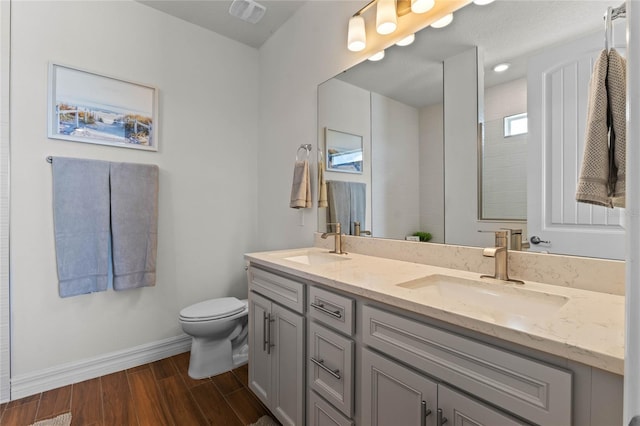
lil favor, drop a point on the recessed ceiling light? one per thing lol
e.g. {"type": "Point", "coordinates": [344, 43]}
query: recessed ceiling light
{"type": "Point", "coordinates": [501, 67]}
{"type": "Point", "coordinates": [443, 22]}
{"type": "Point", "coordinates": [377, 56]}
{"type": "Point", "coordinates": [407, 40]}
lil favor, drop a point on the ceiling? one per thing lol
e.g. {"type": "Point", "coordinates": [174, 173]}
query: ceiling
{"type": "Point", "coordinates": [214, 15]}
{"type": "Point", "coordinates": [506, 31]}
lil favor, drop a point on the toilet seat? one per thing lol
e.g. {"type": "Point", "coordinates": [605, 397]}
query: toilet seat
{"type": "Point", "coordinates": [212, 309]}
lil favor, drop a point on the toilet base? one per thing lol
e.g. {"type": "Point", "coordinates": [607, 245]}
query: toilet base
{"type": "Point", "coordinates": [209, 358]}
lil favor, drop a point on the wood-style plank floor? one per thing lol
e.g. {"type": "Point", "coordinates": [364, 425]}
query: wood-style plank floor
{"type": "Point", "coordinates": [155, 394]}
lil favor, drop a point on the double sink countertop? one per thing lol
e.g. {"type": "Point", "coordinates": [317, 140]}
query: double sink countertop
{"type": "Point", "coordinates": [580, 325]}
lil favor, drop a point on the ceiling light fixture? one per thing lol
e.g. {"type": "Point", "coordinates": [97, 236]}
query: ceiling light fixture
{"type": "Point", "coordinates": [386, 17]}
{"type": "Point", "coordinates": [407, 40]}
{"type": "Point", "coordinates": [443, 22]}
{"type": "Point", "coordinates": [422, 6]}
{"type": "Point", "coordinates": [501, 67]}
{"type": "Point", "coordinates": [482, 2]}
{"type": "Point", "coordinates": [377, 56]}
{"type": "Point", "coordinates": [357, 37]}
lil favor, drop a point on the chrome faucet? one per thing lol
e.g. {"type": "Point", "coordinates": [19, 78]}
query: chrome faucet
{"type": "Point", "coordinates": [337, 238]}
{"type": "Point", "coordinates": [501, 254]}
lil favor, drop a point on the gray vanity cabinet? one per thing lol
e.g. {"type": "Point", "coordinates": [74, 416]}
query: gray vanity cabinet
{"type": "Point", "coordinates": [276, 355]}
{"type": "Point", "coordinates": [394, 394]}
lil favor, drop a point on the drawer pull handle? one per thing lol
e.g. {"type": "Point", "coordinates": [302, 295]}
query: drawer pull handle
{"type": "Point", "coordinates": [425, 412]}
{"type": "Point", "coordinates": [265, 325]}
{"type": "Point", "coordinates": [320, 363]}
{"type": "Point", "coordinates": [321, 308]}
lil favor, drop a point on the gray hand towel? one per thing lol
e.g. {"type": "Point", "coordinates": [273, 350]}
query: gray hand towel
{"type": "Point", "coordinates": [134, 224]}
{"type": "Point", "coordinates": [81, 224]}
{"type": "Point", "coordinates": [358, 206]}
{"type": "Point", "coordinates": [339, 200]}
{"type": "Point", "coordinates": [617, 91]}
{"type": "Point", "coordinates": [594, 174]}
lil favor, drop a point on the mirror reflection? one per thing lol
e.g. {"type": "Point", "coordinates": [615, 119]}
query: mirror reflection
{"type": "Point", "coordinates": [397, 106]}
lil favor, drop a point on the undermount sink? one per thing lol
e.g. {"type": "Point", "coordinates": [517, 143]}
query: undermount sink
{"type": "Point", "coordinates": [313, 258]}
{"type": "Point", "coordinates": [490, 296]}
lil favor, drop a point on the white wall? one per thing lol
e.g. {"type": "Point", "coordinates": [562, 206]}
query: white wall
{"type": "Point", "coordinates": [432, 171]}
{"type": "Point", "coordinates": [208, 154]}
{"type": "Point", "coordinates": [396, 181]}
{"type": "Point", "coordinates": [346, 108]}
{"type": "Point", "coordinates": [308, 49]}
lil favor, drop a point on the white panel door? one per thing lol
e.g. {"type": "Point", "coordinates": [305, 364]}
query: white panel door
{"type": "Point", "coordinates": [557, 93]}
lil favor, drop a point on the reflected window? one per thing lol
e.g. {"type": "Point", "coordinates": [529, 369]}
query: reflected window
{"type": "Point", "coordinates": [515, 125]}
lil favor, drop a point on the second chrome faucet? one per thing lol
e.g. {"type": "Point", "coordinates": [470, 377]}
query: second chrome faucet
{"type": "Point", "coordinates": [501, 255]}
{"type": "Point", "coordinates": [338, 238]}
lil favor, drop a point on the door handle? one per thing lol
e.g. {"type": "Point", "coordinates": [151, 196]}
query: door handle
{"type": "Point", "coordinates": [269, 344]}
{"type": "Point", "coordinates": [320, 363]}
{"type": "Point", "coordinates": [536, 240]}
{"type": "Point", "coordinates": [424, 412]}
{"type": "Point", "coordinates": [265, 324]}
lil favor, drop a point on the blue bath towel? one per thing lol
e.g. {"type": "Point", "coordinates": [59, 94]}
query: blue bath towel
{"type": "Point", "coordinates": [134, 224]}
{"type": "Point", "coordinates": [81, 224]}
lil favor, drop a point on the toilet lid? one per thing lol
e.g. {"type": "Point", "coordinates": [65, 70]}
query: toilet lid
{"type": "Point", "coordinates": [212, 309]}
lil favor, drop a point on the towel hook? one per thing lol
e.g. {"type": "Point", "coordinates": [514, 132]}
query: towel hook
{"type": "Point", "coordinates": [306, 147]}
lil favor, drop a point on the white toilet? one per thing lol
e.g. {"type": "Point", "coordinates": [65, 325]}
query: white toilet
{"type": "Point", "coordinates": [219, 331]}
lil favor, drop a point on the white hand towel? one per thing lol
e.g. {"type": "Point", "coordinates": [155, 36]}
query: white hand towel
{"type": "Point", "coordinates": [617, 91]}
{"type": "Point", "coordinates": [594, 174]}
{"type": "Point", "coordinates": [301, 187]}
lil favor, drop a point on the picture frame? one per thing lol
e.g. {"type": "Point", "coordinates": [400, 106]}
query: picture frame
{"type": "Point", "coordinates": [85, 106]}
{"type": "Point", "coordinates": [343, 151]}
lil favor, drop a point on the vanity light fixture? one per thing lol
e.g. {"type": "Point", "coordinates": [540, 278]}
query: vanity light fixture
{"type": "Point", "coordinates": [443, 22]}
{"type": "Point", "coordinates": [407, 40]}
{"type": "Point", "coordinates": [377, 56]}
{"type": "Point", "coordinates": [422, 6]}
{"type": "Point", "coordinates": [501, 67]}
{"type": "Point", "coordinates": [482, 2]}
{"type": "Point", "coordinates": [386, 17]}
{"type": "Point", "coordinates": [357, 37]}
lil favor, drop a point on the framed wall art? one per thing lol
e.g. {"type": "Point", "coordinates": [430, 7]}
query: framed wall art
{"type": "Point", "coordinates": [94, 108]}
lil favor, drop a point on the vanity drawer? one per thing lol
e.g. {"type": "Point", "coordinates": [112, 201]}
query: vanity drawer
{"type": "Point", "coordinates": [330, 366]}
{"type": "Point", "coordinates": [321, 413]}
{"type": "Point", "coordinates": [332, 309]}
{"type": "Point", "coordinates": [530, 389]}
{"type": "Point", "coordinates": [282, 290]}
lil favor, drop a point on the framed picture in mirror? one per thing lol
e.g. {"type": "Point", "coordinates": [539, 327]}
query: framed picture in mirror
{"type": "Point", "coordinates": [343, 151]}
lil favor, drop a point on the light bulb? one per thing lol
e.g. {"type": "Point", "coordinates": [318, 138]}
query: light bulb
{"type": "Point", "coordinates": [501, 67]}
{"type": "Point", "coordinates": [422, 6]}
{"type": "Point", "coordinates": [377, 56]}
{"type": "Point", "coordinates": [407, 40]}
{"type": "Point", "coordinates": [443, 22]}
{"type": "Point", "coordinates": [386, 18]}
{"type": "Point", "coordinates": [356, 38]}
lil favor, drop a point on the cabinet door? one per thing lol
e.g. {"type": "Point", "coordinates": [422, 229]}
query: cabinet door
{"type": "Point", "coordinates": [287, 366]}
{"type": "Point", "coordinates": [394, 395]}
{"type": "Point", "coordinates": [259, 357]}
{"type": "Point", "coordinates": [321, 413]}
{"type": "Point", "coordinates": [460, 410]}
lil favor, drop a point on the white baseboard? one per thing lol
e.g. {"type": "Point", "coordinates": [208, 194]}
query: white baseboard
{"type": "Point", "coordinates": [65, 374]}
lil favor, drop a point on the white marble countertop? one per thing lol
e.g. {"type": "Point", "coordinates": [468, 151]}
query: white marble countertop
{"type": "Point", "coordinates": [580, 325]}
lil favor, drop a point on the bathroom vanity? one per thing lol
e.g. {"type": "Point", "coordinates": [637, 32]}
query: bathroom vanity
{"type": "Point", "coordinates": [364, 340]}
